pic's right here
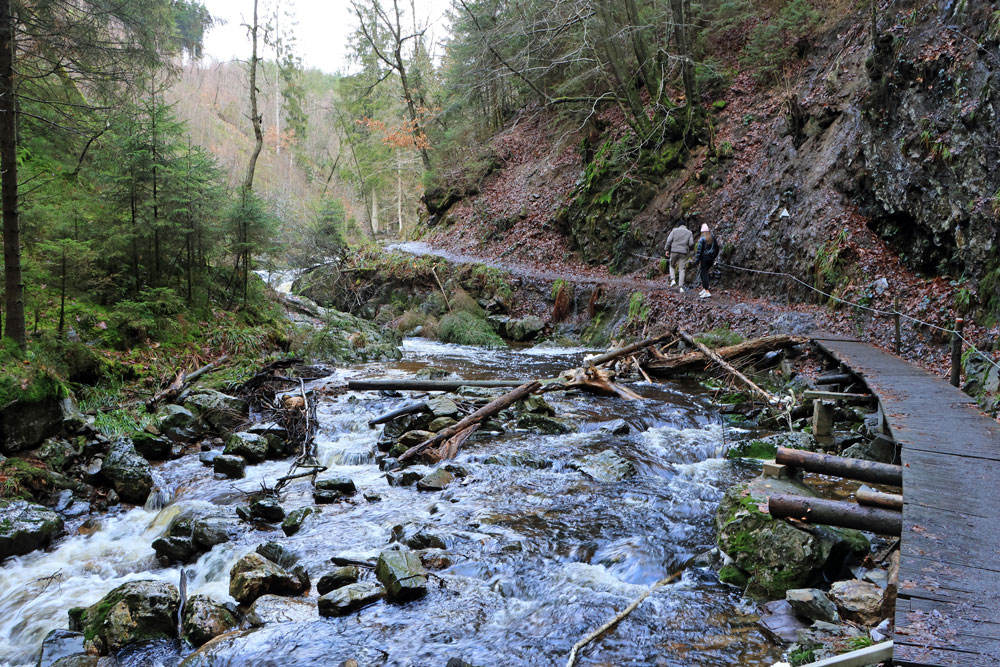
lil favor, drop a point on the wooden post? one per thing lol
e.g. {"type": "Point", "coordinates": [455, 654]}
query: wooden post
{"type": "Point", "coordinates": [896, 320]}
{"type": "Point", "coordinates": [956, 353]}
{"type": "Point", "coordinates": [869, 496]}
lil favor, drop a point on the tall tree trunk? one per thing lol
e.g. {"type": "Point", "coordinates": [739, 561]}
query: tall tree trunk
{"type": "Point", "coordinates": [62, 295]}
{"type": "Point", "coordinates": [255, 116]}
{"type": "Point", "coordinates": [399, 197]}
{"type": "Point", "coordinates": [374, 219]}
{"type": "Point", "coordinates": [13, 281]}
{"type": "Point", "coordinates": [682, 15]}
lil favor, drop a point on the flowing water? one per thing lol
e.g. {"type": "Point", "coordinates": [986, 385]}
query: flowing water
{"type": "Point", "coordinates": [539, 557]}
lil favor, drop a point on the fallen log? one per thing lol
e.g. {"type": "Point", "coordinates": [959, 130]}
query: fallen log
{"type": "Point", "coordinates": [477, 417]}
{"type": "Point", "coordinates": [836, 378]}
{"type": "Point", "coordinates": [693, 361]}
{"type": "Point", "coordinates": [872, 498]}
{"type": "Point", "coordinates": [182, 382]}
{"type": "Point", "coordinates": [628, 349]}
{"type": "Point", "coordinates": [408, 409]}
{"type": "Point", "coordinates": [766, 395]}
{"type": "Point", "coordinates": [840, 466]}
{"type": "Point", "coordinates": [428, 385]}
{"type": "Point", "coordinates": [835, 513]}
{"type": "Point", "coordinates": [594, 380]}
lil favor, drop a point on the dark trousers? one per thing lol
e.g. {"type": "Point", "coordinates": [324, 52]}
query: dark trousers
{"type": "Point", "coordinates": [706, 266]}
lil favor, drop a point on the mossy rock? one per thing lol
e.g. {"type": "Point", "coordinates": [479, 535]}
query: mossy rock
{"type": "Point", "coordinates": [467, 329]}
{"type": "Point", "coordinates": [134, 612]}
{"type": "Point", "coordinates": [776, 555]}
{"type": "Point", "coordinates": [752, 449]}
{"type": "Point", "coordinates": [351, 339]}
{"type": "Point", "coordinates": [25, 527]}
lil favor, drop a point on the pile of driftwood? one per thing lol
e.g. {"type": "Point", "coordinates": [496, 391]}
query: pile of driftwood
{"type": "Point", "coordinates": [285, 401]}
{"type": "Point", "coordinates": [594, 376]}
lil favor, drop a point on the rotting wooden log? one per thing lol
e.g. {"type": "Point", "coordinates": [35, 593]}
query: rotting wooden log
{"type": "Point", "coordinates": [629, 349]}
{"type": "Point", "coordinates": [766, 395]}
{"type": "Point", "coordinates": [696, 360]}
{"type": "Point", "coordinates": [477, 417]}
{"type": "Point", "coordinates": [835, 513]}
{"type": "Point", "coordinates": [407, 409]}
{"type": "Point", "coordinates": [841, 466]}
{"type": "Point", "coordinates": [836, 378]}
{"type": "Point", "coordinates": [429, 385]}
{"type": "Point", "coordinates": [183, 381]}
{"type": "Point", "coordinates": [594, 380]}
{"type": "Point", "coordinates": [872, 498]}
{"type": "Point", "coordinates": [836, 396]}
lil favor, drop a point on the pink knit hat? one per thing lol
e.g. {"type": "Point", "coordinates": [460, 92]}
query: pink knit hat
{"type": "Point", "coordinates": [704, 227]}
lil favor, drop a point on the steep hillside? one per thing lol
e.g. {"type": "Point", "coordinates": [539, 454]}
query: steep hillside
{"type": "Point", "coordinates": [866, 172]}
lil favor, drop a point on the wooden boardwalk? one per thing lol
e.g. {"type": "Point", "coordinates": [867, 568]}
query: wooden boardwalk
{"type": "Point", "coordinates": [948, 605]}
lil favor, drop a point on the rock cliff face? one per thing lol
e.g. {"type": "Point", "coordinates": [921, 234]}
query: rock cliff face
{"type": "Point", "coordinates": [930, 138]}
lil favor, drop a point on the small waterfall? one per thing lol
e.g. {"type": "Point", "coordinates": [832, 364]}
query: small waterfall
{"type": "Point", "coordinates": [160, 496]}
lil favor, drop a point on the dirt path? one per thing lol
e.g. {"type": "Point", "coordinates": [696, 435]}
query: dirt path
{"type": "Point", "coordinates": [747, 314]}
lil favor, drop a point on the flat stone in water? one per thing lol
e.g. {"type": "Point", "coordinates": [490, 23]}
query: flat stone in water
{"type": "Point", "coordinates": [343, 485]}
{"type": "Point", "coordinates": [442, 406]}
{"type": "Point", "coordinates": [441, 423]}
{"type": "Point", "coordinates": [350, 598]}
{"type": "Point", "coordinates": [413, 438]}
{"type": "Point", "coordinates": [606, 466]}
{"type": "Point", "coordinates": [250, 446]}
{"type": "Point", "coordinates": [60, 644]}
{"type": "Point", "coordinates": [435, 481]}
{"type": "Point", "coordinates": [342, 576]}
{"type": "Point", "coordinates": [403, 477]}
{"type": "Point", "coordinates": [277, 609]}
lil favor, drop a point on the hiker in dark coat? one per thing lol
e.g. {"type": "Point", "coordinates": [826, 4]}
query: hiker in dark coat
{"type": "Point", "coordinates": [705, 252]}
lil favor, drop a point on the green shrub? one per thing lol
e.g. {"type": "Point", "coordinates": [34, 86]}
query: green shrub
{"type": "Point", "coordinates": [467, 329]}
{"type": "Point", "coordinates": [462, 302]}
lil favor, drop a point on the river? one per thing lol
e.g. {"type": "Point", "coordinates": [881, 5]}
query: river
{"type": "Point", "coordinates": [539, 557]}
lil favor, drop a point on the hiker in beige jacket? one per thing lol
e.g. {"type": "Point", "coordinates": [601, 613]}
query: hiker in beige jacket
{"type": "Point", "coordinates": [678, 247]}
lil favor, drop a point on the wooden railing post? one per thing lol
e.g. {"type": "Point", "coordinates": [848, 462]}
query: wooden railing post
{"type": "Point", "coordinates": [956, 353]}
{"type": "Point", "coordinates": [896, 318]}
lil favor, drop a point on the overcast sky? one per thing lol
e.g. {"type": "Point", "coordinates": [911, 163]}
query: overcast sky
{"type": "Point", "coordinates": [323, 29]}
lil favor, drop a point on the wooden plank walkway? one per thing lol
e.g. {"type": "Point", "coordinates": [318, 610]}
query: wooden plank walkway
{"type": "Point", "coordinates": [948, 605]}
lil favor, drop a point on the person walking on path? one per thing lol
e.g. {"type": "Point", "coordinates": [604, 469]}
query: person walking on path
{"type": "Point", "coordinates": [678, 247]}
{"type": "Point", "coordinates": [705, 253]}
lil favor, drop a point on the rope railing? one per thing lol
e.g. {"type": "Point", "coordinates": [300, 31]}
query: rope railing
{"type": "Point", "coordinates": [877, 311]}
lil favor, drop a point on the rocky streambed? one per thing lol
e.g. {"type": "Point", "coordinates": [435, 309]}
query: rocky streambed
{"type": "Point", "coordinates": [535, 536]}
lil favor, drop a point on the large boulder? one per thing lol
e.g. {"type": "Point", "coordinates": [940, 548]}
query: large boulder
{"type": "Point", "coordinates": [135, 611]}
{"type": "Point", "coordinates": [253, 576]}
{"type": "Point", "coordinates": [524, 328]}
{"type": "Point", "coordinates": [777, 555]}
{"type": "Point", "coordinates": [58, 454]}
{"type": "Point", "coordinates": [193, 532]}
{"type": "Point", "coordinates": [250, 446]}
{"type": "Point", "coordinates": [402, 574]}
{"type": "Point", "coordinates": [204, 619]}
{"type": "Point", "coordinates": [178, 423]}
{"type": "Point", "coordinates": [128, 472]}
{"type": "Point", "coordinates": [350, 598]}
{"type": "Point", "coordinates": [218, 411]}
{"type": "Point", "coordinates": [25, 527]}
{"type": "Point", "coordinates": [25, 424]}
